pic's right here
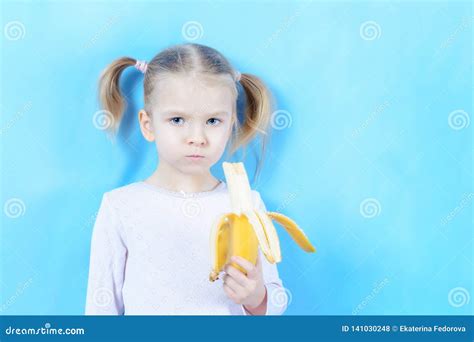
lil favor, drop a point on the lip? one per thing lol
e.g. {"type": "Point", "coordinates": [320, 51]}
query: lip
{"type": "Point", "coordinates": [195, 157]}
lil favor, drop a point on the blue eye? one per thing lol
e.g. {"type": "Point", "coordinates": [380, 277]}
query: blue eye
{"type": "Point", "coordinates": [175, 121]}
{"type": "Point", "coordinates": [214, 121]}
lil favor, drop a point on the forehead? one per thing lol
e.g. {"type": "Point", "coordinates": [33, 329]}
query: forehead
{"type": "Point", "coordinates": [193, 95]}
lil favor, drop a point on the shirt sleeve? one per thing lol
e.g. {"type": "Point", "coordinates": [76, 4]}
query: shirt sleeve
{"type": "Point", "coordinates": [107, 263]}
{"type": "Point", "coordinates": [277, 299]}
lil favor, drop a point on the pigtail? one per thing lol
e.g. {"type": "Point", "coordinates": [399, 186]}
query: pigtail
{"type": "Point", "coordinates": [258, 109]}
{"type": "Point", "coordinates": [110, 96]}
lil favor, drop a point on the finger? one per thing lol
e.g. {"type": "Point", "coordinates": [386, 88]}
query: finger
{"type": "Point", "coordinates": [237, 275]}
{"type": "Point", "coordinates": [247, 265]}
{"type": "Point", "coordinates": [229, 281]}
{"type": "Point", "coordinates": [259, 262]}
{"type": "Point", "coordinates": [231, 293]}
{"type": "Point", "coordinates": [257, 268]}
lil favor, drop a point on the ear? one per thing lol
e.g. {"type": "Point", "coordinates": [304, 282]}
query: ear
{"type": "Point", "coordinates": [146, 125]}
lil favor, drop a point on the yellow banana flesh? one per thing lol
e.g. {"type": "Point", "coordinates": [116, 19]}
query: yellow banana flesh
{"type": "Point", "coordinates": [234, 235]}
{"type": "Point", "coordinates": [245, 229]}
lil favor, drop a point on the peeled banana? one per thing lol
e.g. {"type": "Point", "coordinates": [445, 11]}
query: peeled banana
{"type": "Point", "coordinates": [242, 231]}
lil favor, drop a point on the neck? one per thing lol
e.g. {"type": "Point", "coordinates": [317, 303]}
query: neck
{"type": "Point", "coordinates": [167, 177]}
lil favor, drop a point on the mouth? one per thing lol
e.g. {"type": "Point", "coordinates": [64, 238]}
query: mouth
{"type": "Point", "coordinates": [195, 156]}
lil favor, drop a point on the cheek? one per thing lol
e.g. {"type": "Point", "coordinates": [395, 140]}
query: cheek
{"type": "Point", "coordinates": [220, 137]}
{"type": "Point", "coordinates": [218, 144]}
{"type": "Point", "coordinates": [166, 140]}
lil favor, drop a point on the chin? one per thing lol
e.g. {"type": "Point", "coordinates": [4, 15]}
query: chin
{"type": "Point", "coordinates": [195, 168]}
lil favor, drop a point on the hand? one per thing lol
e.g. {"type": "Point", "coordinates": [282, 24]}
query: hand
{"type": "Point", "coordinates": [248, 290]}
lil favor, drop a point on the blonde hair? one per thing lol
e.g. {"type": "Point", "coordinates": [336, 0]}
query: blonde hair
{"type": "Point", "coordinates": [199, 59]}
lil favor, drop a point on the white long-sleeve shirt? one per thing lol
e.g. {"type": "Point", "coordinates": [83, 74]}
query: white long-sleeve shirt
{"type": "Point", "coordinates": [150, 255]}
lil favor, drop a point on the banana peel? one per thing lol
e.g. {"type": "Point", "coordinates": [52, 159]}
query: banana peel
{"type": "Point", "coordinates": [242, 231]}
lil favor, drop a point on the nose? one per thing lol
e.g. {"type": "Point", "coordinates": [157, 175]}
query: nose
{"type": "Point", "coordinates": [196, 136]}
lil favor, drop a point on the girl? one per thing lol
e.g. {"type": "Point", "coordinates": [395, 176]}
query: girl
{"type": "Point", "coordinates": [150, 251]}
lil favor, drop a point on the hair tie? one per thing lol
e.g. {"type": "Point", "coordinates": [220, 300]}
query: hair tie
{"type": "Point", "coordinates": [237, 76]}
{"type": "Point", "coordinates": [141, 65]}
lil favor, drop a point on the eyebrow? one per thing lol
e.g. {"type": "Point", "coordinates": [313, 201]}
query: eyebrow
{"type": "Point", "coordinates": [180, 113]}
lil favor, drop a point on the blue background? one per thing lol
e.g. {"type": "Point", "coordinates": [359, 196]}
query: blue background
{"type": "Point", "coordinates": [365, 116]}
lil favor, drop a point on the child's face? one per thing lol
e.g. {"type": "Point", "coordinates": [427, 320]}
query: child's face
{"type": "Point", "coordinates": [191, 116]}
